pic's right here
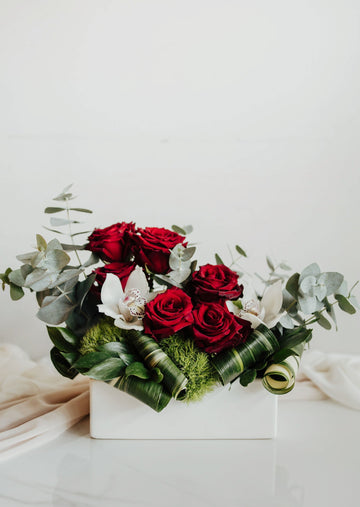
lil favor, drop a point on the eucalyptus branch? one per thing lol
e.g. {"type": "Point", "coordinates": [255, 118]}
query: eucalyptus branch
{"type": "Point", "coordinates": [70, 232]}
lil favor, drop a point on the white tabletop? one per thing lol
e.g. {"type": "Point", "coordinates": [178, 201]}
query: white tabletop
{"type": "Point", "coordinates": [314, 462]}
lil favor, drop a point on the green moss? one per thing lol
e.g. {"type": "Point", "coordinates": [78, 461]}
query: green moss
{"type": "Point", "coordinates": [195, 365]}
{"type": "Point", "coordinates": [103, 332]}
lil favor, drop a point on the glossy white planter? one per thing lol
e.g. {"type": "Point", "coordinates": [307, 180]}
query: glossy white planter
{"type": "Point", "coordinates": [239, 413]}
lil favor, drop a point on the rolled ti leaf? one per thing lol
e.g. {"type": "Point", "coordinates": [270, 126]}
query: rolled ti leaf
{"type": "Point", "coordinates": [259, 346]}
{"type": "Point", "coordinates": [279, 378]}
{"type": "Point", "coordinates": [147, 391]}
{"type": "Point", "coordinates": [153, 355]}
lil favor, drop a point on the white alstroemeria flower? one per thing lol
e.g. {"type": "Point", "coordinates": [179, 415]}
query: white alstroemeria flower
{"type": "Point", "coordinates": [266, 311]}
{"type": "Point", "coordinates": [127, 306]}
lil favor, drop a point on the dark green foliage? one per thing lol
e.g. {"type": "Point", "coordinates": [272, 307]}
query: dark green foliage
{"type": "Point", "coordinates": [194, 364]}
{"type": "Point", "coordinates": [99, 334]}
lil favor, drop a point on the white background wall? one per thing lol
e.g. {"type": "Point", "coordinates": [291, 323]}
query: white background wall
{"type": "Point", "coordinates": [240, 117]}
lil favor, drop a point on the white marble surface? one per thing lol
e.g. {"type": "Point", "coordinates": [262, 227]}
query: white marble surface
{"type": "Point", "coordinates": [314, 462]}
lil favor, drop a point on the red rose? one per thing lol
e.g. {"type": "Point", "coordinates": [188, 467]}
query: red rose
{"type": "Point", "coordinates": [211, 283]}
{"type": "Point", "coordinates": [168, 313]}
{"type": "Point", "coordinates": [121, 269]}
{"type": "Point", "coordinates": [216, 329]}
{"type": "Point", "coordinates": [112, 244]}
{"type": "Point", "coordinates": [152, 247]}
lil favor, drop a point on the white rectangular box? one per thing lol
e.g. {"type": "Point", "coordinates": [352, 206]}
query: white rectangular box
{"type": "Point", "coordinates": [238, 413]}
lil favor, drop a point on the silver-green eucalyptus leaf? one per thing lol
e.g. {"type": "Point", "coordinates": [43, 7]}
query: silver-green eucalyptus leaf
{"type": "Point", "coordinates": [332, 281]}
{"type": "Point", "coordinates": [54, 244]}
{"type": "Point", "coordinates": [17, 278]}
{"type": "Point", "coordinates": [270, 263]}
{"type": "Point", "coordinates": [39, 280]}
{"type": "Point", "coordinates": [188, 253]}
{"type": "Point", "coordinates": [55, 310]}
{"type": "Point", "coordinates": [55, 261]}
{"type": "Point", "coordinates": [65, 276]}
{"type": "Point", "coordinates": [307, 284]}
{"type": "Point", "coordinates": [309, 304]}
{"type": "Point", "coordinates": [58, 222]}
{"type": "Point", "coordinates": [179, 276]}
{"type": "Point", "coordinates": [41, 243]}
{"type": "Point", "coordinates": [286, 321]}
{"type": "Point", "coordinates": [311, 270]}
{"type": "Point", "coordinates": [53, 209]}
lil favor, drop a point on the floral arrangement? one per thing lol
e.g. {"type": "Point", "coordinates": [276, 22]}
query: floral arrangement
{"type": "Point", "coordinates": [140, 314]}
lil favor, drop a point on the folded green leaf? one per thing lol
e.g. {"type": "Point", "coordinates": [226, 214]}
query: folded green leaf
{"type": "Point", "coordinates": [147, 391]}
{"type": "Point", "coordinates": [62, 338]}
{"type": "Point", "coordinates": [231, 363]}
{"type": "Point", "coordinates": [279, 378]}
{"type": "Point", "coordinates": [154, 357]}
{"type": "Point", "coordinates": [61, 364]}
{"type": "Point", "coordinates": [137, 369]}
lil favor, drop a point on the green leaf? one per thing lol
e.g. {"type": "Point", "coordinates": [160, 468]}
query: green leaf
{"type": "Point", "coordinates": [240, 250]}
{"type": "Point", "coordinates": [292, 285]}
{"type": "Point", "coordinates": [179, 230]}
{"type": "Point", "coordinates": [107, 370]}
{"type": "Point", "coordinates": [137, 369]}
{"type": "Point", "coordinates": [16, 292]}
{"type": "Point", "coordinates": [91, 359]}
{"type": "Point", "coordinates": [82, 289]}
{"type": "Point", "coordinates": [283, 354]}
{"type": "Point", "coordinates": [247, 377]}
{"type": "Point", "coordinates": [218, 259]}
{"type": "Point", "coordinates": [70, 356]}
{"type": "Point", "coordinates": [81, 210]}
{"type": "Point", "coordinates": [61, 364]}
{"type": "Point", "coordinates": [156, 375]}
{"type": "Point", "coordinates": [62, 338]}
{"type": "Point", "coordinates": [53, 209]}
{"type": "Point", "coordinates": [322, 321]}
{"type": "Point", "coordinates": [345, 304]}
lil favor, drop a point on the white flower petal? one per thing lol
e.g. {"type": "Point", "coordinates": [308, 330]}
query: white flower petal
{"type": "Point", "coordinates": [122, 324]}
{"type": "Point", "coordinates": [233, 308]}
{"type": "Point", "coordinates": [111, 291]}
{"type": "Point", "coordinates": [253, 319]}
{"type": "Point", "coordinates": [272, 300]}
{"type": "Point", "coordinates": [108, 311]}
{"type": "Point", "coordinates": [137, 280]}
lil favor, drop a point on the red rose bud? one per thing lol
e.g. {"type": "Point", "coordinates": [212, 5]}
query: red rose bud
{"type": "Point", "coordinates": [121, 269]}
{"type": "Point", "coordinates": [168, 313]}
{"type": "Point", "coordinates": [216, 329]}
{"type": "Point", "coordinates": [211, 283]}
{"type": "Point", "coordinates": [152, 247]}
{"type": "Point", "coordinates": [112, 244]}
